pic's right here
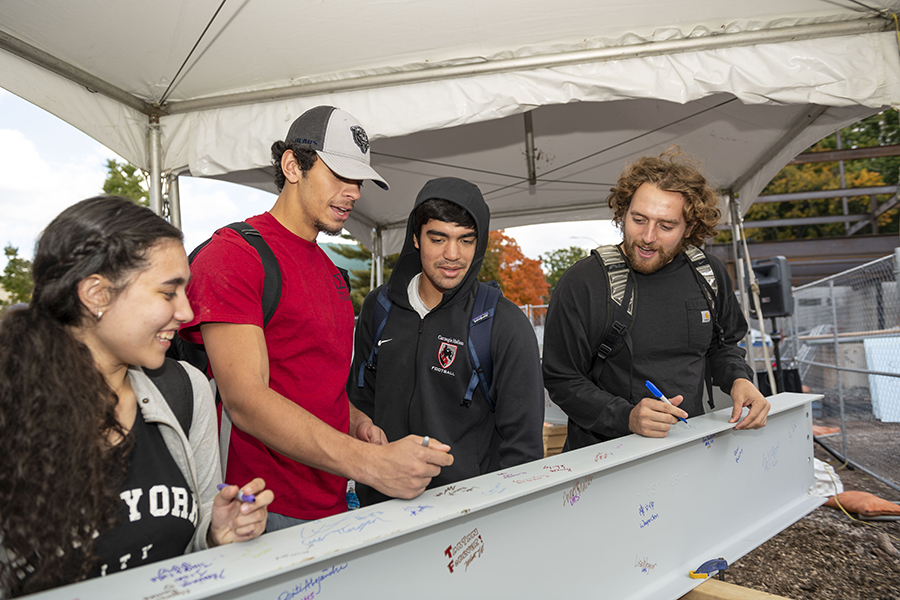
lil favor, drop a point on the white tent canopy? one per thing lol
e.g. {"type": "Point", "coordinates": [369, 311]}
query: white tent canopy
{"type": "Point", "coordinates": [441, 87]}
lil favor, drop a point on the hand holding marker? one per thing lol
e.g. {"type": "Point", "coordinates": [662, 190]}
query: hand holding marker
{"type": "Point", "coordinates": [655, 391]}
{"type": "Point", "coordinates": [249, 498]}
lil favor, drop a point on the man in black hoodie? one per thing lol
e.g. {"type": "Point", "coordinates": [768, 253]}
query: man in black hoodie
{"type": "Point", "coordinates": [419, 382]}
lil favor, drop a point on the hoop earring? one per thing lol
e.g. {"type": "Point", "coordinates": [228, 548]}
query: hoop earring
{"type": "Point", "coordinates": [99, 314]}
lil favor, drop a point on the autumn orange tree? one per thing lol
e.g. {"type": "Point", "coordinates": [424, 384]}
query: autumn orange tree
{"type": "Point", "coordinates": [520, 278]}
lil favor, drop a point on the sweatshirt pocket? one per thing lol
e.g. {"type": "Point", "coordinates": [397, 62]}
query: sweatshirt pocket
{"type": "Point", "coordinates": [699, 323]}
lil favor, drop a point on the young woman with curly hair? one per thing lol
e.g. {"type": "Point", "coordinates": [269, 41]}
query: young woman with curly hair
{"type": "Point", "coordinates": [97, 474]}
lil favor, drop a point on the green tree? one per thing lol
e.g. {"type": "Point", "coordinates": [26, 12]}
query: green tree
{"type": "Point", "coordinates": [880, 129]}
{"type": "Point", "coordinates": [556, 262]}
{"type": "Point", "coordinates": [359, 278]}
{"type": "Point", "coordinates": [16, 278]}
{"type": "Point", "coordinates": [124, 179]}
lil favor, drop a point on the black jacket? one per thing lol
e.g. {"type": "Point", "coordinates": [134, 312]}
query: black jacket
{"type": "Point", "coordinates": [671, 341]}
{"type": "Point", "coordinates": [410, 392]}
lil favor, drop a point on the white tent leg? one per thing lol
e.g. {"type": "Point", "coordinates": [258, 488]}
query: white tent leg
{"type": "Point", "coordinates": [155, 151]}
{"type": "Point", "coordinates": [174, 199]}
{"type": "Point", "coordinates": [378, 258]}
{"type": "Point", "coordinates": [754, 293]}
{"type": "Point", "coordinates": [372, 266]}
{"type": "Point", "coordinates": [734, 207]}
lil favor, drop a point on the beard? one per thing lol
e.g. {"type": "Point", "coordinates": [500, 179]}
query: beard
{"type": "Point", "coordinates": [329, 229]}
{"type": "Point", "coordinates": [647, 266]}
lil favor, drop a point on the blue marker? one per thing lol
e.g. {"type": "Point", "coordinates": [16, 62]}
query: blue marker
{"type": "Point", "coordinates": [655, 391]}
{"type": "Point", "coordinates": [240, 495]}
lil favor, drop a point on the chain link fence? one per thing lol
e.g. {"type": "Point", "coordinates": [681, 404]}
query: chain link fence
{"type": "Point", "coordinates": [844, 342]}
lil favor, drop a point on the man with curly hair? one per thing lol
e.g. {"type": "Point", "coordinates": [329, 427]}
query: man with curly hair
{"type": "Point", "coordinates": [663, 206]}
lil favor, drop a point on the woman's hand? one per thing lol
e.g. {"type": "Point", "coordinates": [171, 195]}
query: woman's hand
{"type": "Point", "coordinates": [237, 521]}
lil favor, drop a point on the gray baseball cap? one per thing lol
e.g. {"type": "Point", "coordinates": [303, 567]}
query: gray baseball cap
{"type": "Point", "coordinates": [338, 139]}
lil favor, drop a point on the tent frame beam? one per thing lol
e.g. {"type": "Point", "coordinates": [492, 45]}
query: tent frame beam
{"type": "Point", "coordinates": [306, 89]}
{"type": "Point", "coordinates": [527, 63]}
{"type": "Point", "coordinates": [94, 84]}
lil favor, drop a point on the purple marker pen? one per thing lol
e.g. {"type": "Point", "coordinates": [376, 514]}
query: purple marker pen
{"type": "Point", "coordinates": [240, 495]}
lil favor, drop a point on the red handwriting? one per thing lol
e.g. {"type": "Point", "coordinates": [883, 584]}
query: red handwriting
{"type": "Point", "coordinates": [467, 549]}
{"type": "Point", "coordinates": [557, 468]}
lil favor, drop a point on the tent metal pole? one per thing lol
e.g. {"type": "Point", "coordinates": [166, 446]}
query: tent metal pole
{"type": "Point", "coordinates": [155, 151]}
{"type": "Point", "coordinates": [529, 149]}
{"type": "Point", "coordinates": [753, 292]}
{"type": "Point", "coordinates": [174, 199]}
{"type": "Point", "coordinates": [378, 257]}
{"type": "Point", "coordinates": [51, 63]}
{"type": "Point", "coordinates": [303, 89]}
{"type": "Point", "coordinates": [739, 274]}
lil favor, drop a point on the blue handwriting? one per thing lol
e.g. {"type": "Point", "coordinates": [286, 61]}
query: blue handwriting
{"type": "Point", "coordinates": [414, 510]}
{"type": "Point", "coordinates": [186, 574]}
{"type": "Point", "coordinates": [494, 490]}
{"type": "Point", "coordinates": [311, 584]}
{"type": "Point", "coordinates": [318, 531]}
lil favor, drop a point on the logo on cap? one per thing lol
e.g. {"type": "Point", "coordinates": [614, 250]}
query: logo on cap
{"type": "Point", "coordinates": [360, 138]}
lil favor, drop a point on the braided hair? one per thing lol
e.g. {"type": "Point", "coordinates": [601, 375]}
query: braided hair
{"type": "Point", "coordinates": [60, 476]}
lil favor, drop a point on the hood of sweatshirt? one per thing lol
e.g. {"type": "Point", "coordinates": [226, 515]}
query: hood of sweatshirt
{"type": "Point", "coordinates": [464, 194]}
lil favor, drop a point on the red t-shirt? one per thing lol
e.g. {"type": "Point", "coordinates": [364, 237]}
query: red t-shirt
{"type": "Point", "coordinates": [309, 342]}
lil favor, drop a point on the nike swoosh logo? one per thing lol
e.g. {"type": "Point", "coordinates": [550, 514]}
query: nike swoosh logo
{"type": "Point", "coordinates": [380, 342]}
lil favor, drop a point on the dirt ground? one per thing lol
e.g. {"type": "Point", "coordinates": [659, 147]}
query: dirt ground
{"type": "Point", "coordinates": [828, 556]}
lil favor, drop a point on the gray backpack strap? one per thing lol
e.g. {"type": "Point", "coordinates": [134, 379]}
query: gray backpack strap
{"type": "Point", "coordinates": [706, 279]}
{"type": "Point", "coordinates": [701, 265]}
{"type": "Point", "coordinates": [709, 286]}
{"type": "Point", "coordinates": [617, 272]}
{"type": "Point", "coordinates": [620, 307]}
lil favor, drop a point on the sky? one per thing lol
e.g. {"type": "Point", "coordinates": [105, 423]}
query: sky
{"type": "Point", "coordinates": [47, 165]}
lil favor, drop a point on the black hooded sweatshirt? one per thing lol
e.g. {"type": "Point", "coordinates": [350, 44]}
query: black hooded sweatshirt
{"type": "Point", "coordinates": [412, 392]}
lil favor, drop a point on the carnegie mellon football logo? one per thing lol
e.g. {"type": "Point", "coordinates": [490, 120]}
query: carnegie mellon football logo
{"type": "Point", "coordinates": [446, 354]}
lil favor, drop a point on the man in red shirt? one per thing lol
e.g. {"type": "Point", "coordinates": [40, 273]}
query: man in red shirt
{"type": "Point", "coordinates": [283, 383]}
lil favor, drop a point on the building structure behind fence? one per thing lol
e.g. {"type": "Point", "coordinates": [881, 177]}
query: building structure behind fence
{"type": "Point", "coordinates": [844, 340]}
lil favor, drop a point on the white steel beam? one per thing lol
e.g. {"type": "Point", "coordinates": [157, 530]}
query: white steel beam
{"type": "Point", "coordinates": [623, 519]}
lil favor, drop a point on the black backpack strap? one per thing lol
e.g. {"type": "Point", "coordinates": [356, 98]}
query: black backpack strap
{"type": "Point", "coordinates": [271, 295]}
{"type": "Point", "coordinates": [709, 286]}
{"type": "Point", "coordinates": [380, 315]}
{"type": "Point", "coordinates": [620, 304]}
{"type": "Point", "coordinates": [195, 354]}
{"type": "Point", "coordinates": [346, 275]}
{"type": "Point", "coordinates": [480, 329]}
{"type": "Point", "coordinates": [173, 382]}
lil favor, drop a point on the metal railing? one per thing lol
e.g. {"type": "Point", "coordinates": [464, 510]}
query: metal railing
{"type": "Point", "coordinates": [844, 342]}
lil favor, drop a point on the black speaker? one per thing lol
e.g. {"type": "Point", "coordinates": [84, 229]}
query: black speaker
{"type": "Point", "coordinates": [790, 382]}
{"type": "Point", "coordinates": [775, 296]}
